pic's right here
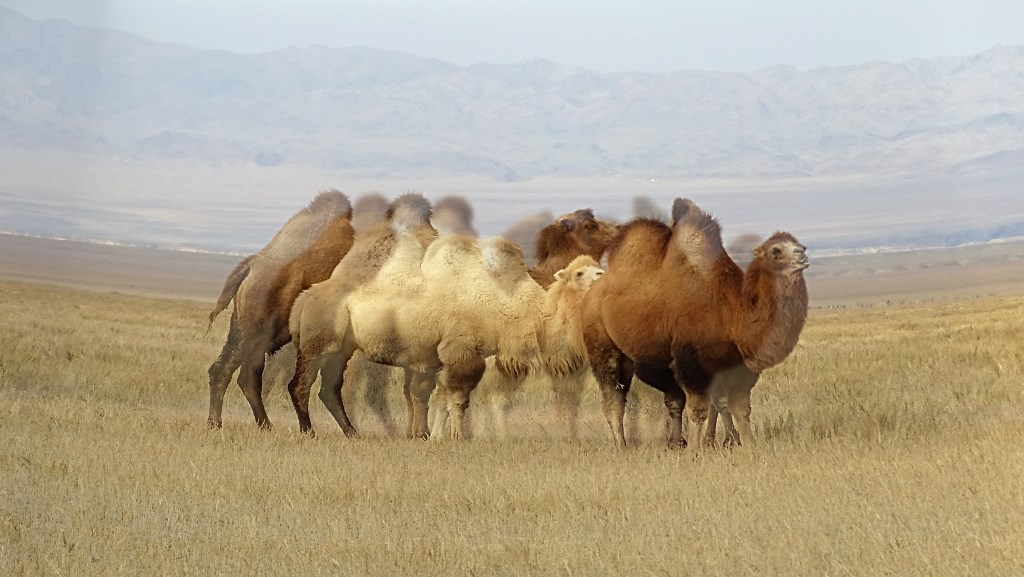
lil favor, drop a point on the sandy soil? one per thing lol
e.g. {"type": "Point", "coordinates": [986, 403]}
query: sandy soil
{"type": "Point", "coordinates": [859, 280]}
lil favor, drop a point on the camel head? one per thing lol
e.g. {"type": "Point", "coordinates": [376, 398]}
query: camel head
{"type": "Point", "coordinates": [782, 254]}
{"type": "Point", "coordinates": [411, 210]}
{"type": "Point", "coordinates": [577, 231]}
{"type": "Point", "coordinates": [582, 272]}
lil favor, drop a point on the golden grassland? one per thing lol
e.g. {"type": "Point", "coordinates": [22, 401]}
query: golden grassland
{"type": "Point", "coordinates": [890, 445]}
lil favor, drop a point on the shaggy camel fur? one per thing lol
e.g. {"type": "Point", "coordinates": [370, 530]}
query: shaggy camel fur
{"type": "Point", "coordinates": [264, 286]}
{"type": "Point", "coordinates": [319, 321]}
{"type": "Point", "coordinates": [673, 299]}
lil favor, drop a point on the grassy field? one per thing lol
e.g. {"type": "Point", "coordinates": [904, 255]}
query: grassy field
{"type": "Point", "coordinates": [891, 446]}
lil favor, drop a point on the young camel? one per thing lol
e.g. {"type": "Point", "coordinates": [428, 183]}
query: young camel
{"type": "Point", "coordinates": [673, 300]}
{"type": "Point", "coordinates": [263, 287]}
{"type": "Point", "coordinates": [320, 335]}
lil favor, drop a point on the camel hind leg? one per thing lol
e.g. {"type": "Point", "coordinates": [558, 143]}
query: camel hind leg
{"type": "Point", "coordinates": [418, 387]}
{"type": "Point", "coordinates": [609, 369]}
{"type": "Point", "coordinates": [298, 388]}
{"type": "Point", "coordinates": [462, 378]}
{"type": "Point", "coordinates": [250, 380]}
{"type": "Point", "coordinates": [221, 372]}
{"type": "Point", "coordinates": [332, 379]}
{"type": "Point", "coordinates": [695, 382]}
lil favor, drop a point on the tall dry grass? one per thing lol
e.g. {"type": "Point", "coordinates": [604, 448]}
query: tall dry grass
{"type": "Point", "coordinates": [891, 444]}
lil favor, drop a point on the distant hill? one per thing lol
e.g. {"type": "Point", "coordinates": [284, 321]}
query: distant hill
{"type": "Point", "coordinates": [65, 87]}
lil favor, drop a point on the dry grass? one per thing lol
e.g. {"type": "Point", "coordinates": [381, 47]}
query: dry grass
{"type": "Point", "coordinates": [891, 445]}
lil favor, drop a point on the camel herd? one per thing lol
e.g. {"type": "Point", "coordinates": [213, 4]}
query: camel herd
{"type": "Point", "coordinates": [409, 285]}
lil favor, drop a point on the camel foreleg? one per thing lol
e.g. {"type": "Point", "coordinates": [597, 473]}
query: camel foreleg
{"type": "Point", "coordinates": [418, 388]}
{"type": "Point", "coordinates": [462, 378]}
{"type": "Point", "coordinates": [332, 379]}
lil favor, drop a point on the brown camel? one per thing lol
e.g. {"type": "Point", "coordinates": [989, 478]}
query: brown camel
{"type": "Point", "coordinates": [264, 286]}
{"type": "Point", "coordinates": [319, 342]}
{"type": "Point", "coordinates": [672, 300]}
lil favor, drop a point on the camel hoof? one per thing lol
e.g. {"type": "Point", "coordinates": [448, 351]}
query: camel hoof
{"type": "Point", "coordinates": [211, 424]}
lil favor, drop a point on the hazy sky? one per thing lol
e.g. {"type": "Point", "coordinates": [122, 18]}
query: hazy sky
{"type": "Point", "coordinates": [641, 35]}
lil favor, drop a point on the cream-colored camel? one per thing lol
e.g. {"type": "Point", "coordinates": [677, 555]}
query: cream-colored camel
{"type": "Point", "coordinates": [564, 354]}
{"type": "Point", "coordinates": [319, 334]}
{"type": "Point", "coordinates": [447, 307]}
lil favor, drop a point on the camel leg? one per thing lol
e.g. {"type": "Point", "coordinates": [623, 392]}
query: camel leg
{"type": "Point", "coordinates": [375, 389]}
{"type": "Point", "coordinates": [695, 382]}
{"type": "Point", "coordinates": [332, 379]}
{"type": "Point", "coordinates": [299, 387]}
{"type": "Point", "coordinates": [674, 402]}
{"type": "Point", "coordinates": [606, 365]}
{"type": "Point", "coordinates": [738, 386]}
{"type": "Point", "coordinates": [462, 379]}
{"type": "Point", "coordinates": [567, 401]}
{"type": "Point", "coordinates": [407, 376]}
{"type": "Point", "coordinates": [221, 372]}
{"type": "Point", "coordinates": [440, 422]}
{"type": "Point", "coordinates": [418, 398]}
{"type": "Point", "coordinates": [250, 380]}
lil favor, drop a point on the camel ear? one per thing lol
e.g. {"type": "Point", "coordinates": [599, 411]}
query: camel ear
{"type": "Point", "coordinates": [568, 223]}
{"type": "Point", "coordinates": [679, 209]}
{"type": "Point", "coordinates": [560, 275]}
{"type": "Point", "coordinates": [758, 252]}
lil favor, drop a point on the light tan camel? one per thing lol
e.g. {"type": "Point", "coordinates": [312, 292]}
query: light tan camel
{"type": "Point", "coordinates": [263, 287]}
{"type": "Point", "coordinates": [673, 299]}
{"type": "Point", "coordinates": [320, 335]}
{"type": "Point", "coordinates": [557, 244]}
{"type": "Point", "coordinates": [446, 307]}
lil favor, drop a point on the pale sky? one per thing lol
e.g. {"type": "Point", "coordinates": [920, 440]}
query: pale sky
{"type": "Point", "coordinates": [640, 35]}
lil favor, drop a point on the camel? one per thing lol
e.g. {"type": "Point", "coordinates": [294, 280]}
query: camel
{"type": "Point", "coordinates": [263, 287]}
{"type": "Point", "coordinates": [565, 352]}
{"type": "Point", "coordinates": [673, 302]}
{"type": "Point", "coordinates": [557, 245]}
{"type": "Point", "coordinates": [445, 306]}
{"type": "Point", "coordinates": [320, 336]}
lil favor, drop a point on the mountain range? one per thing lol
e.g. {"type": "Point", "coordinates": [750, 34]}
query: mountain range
{"type": "Point", "coordinates": [70, 88]}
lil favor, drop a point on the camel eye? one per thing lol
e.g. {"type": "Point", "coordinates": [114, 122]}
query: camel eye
{"type": "Point", "coordinates": [776, 251]}
{"type": "Point", "coordinates": [579, 274]}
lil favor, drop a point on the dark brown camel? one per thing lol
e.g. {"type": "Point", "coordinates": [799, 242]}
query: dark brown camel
{"type": "Point", "coordinates": [263, 287]}
{"type": "Point", "coordinates": [673, 302]}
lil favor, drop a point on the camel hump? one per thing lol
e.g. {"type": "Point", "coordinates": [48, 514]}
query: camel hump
{"type": "Point", "coordinates": [696, 234]}
{"type": "Point", "coordinates": [502, 255]}
{"type": "Point", "coordinates": [331, 202]}
{"type": "Point", "coordinates": [409, 211]}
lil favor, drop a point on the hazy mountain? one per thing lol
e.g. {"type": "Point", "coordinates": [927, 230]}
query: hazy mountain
{"type": "Point", "coordinates": [68, 87]}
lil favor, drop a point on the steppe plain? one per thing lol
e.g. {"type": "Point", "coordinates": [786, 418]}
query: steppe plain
{"type": "Point", "coordinates": [890, 443]}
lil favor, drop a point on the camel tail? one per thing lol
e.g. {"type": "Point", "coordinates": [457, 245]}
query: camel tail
{"type": "Point", "coordinates": [231, 284]}
{"type": "Point", "coordinates": [295, 316]}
